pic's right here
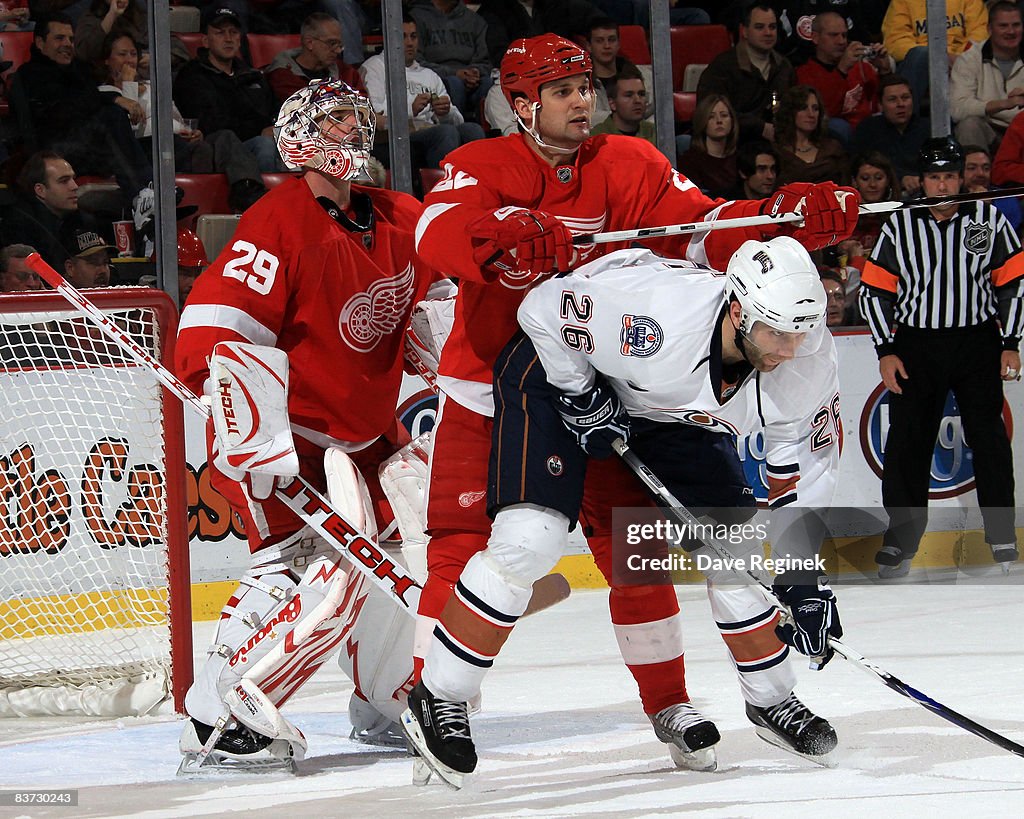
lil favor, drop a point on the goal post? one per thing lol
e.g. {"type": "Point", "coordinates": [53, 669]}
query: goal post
{"type": "Point", "coordinates": [95, 612]}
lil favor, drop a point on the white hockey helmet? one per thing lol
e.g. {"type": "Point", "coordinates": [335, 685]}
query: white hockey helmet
{"type": "Point", "coordinates": [777, 283]}
{"type": "Point", "coordinates": [306, 139]}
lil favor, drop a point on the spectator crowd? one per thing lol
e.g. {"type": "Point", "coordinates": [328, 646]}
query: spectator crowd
{"type": "Point", "coordinates": [808, 92]}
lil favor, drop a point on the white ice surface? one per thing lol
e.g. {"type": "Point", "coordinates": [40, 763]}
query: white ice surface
{"type": "Point", "coordinates": [562, 732]}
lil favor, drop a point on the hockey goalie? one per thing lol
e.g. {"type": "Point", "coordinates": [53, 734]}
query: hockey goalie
{"type": "Point", "coordinates": [295, 334]}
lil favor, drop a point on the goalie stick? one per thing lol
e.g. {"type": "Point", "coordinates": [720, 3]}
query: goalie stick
{"type": "Point", "coordinates": [298, 494]}
{"type": "Point", "coordinates": [674, 507]}
{"type": "Point", "coordinates": [782, 218]}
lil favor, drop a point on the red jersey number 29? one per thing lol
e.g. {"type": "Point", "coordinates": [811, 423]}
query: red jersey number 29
{"type": "Point", "coordinates": [257, 268]}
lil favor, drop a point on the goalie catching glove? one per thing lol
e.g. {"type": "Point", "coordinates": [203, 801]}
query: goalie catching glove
{"type": "Point", "coordinates": [595, 418]}
{"type": "Point", "coordinates": [813, 618]}
{"type": "Point", "coordinates": [520, 246]}
{"type": "Point", "coordinates": [250, 415]}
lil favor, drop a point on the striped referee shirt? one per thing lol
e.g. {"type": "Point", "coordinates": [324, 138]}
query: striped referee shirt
{"type": "Point", "coordinates": [935, 275]}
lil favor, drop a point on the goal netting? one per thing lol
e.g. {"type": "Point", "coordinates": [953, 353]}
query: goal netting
{"type": "Point", "coordinates": [94, 581]}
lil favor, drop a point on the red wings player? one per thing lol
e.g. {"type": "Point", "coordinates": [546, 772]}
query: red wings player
{"type": "Point", "coordinates": [503, 217]}
{"type": "Point", "coordinates": [300, 321]}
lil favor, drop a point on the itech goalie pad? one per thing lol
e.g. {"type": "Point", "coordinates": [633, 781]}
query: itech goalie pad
{"type": "Point", "coordinates": [250, 410]}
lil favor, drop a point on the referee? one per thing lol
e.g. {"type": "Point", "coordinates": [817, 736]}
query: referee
{"type": "Point", "coordinates": [942, 296]}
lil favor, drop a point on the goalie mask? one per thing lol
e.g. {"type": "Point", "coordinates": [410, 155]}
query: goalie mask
{"type": "Point", "coordinates": [776, 282]}
{"type": "Point", "coordinates": [327, 126]}
{"type": "Point", "coordinates": [530, 63]}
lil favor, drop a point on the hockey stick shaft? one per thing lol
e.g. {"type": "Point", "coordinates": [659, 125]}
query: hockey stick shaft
{"type": "Point", "coordinates": [661, 492]}
{"type": "Point", "coordinates": [299, 495]}
{"type": "Point", "coordinates": [783, 218]}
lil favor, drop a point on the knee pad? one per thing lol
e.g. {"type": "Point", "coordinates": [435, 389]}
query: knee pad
{"type": "Point", "coordinates": [526, 542]}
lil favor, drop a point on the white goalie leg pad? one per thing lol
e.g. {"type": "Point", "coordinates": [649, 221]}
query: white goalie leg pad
{"type": "Point", "coordinates": [254, 708]}
{"type": "Point", "coordinates": [744, 617]}
{"type": "Point", "coordinates": [346, 489]}
{"type": "Point", "coordinates": [377, 634]}
{"type": "Point", "coordinates": [249, 406]}
{"type": "Point", "coordinates": [403, 477]}
{"type": "Point", "coordinates": [268, 605]}
{"type": "Point", "coordinates": [377, 655]}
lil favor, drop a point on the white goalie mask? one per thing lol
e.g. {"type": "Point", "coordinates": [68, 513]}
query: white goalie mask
{"type": "Point", "coordinates": [776, 282]}
{"type": "Point", "coordinates": [327, 126]}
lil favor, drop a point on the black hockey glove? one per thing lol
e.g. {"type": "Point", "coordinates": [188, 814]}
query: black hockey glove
{"type": "Point", "coordinates": [814, 618]}
{"type": "Point", "coordinates": [595, 419]}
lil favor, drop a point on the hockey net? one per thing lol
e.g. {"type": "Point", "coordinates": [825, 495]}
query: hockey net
{"type": "Point", "coordinates": [94, 580]}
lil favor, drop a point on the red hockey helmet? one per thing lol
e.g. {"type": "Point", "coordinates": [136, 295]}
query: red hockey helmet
{"type": "Point", "coordinates": [529, 63]}
{"type": "Point", "coordinates": [191, 252]}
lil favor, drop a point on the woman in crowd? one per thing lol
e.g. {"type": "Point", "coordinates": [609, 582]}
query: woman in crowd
{"type": "Point", "coordinates": [119, 64]}
{"type": "Point", "coordinates": [710, 161]}
{"type": "Point", "coordinates": [106, 17]}
{"type": "Point", "coordinates": [875, 179]}
{"type": "Point", "coordinates": [806, 152]}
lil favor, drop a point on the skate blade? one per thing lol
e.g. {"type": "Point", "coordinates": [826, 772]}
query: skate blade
{"type": "Point", "coordinates": [824, 760]}
{"type": "Point", "coordinates": [452, 778]}
{"type": "Point", "coordinates": [216, 764]}
{"type": "Point", "coordinates": [893, 572]}
{"type": "Point", "coordinates": [382, 740]}
{"type": "Point", "coordinates": [705, 759]}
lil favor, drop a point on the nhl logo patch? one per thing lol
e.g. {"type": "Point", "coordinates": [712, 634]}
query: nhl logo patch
{"type": "Point", "coordinates": [555, 465]}
{"type": "Point", "coordinates": [641, 336]}
{"type": "Point", "coordinates": [564, 174]}
{"type": "Point", "coordinates": [977, 238]}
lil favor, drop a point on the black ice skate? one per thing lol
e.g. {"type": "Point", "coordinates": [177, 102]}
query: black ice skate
{"type": "Point", "coordinates": [237, 748]}
{"type": "Point", "coordinates": [892, 563]}
{"type": "Point", "coordinates": [792, 726]}
{"type": "Point", "coordinates": [689, 734]}
{"type": "Point", "coordinates": [438, 731]}
{"type": "Point", "coordinates": [1005, 554]}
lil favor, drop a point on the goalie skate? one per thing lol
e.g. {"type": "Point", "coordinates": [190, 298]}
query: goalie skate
{"type": "Point", "coordinates": [371, 727]}
{"type": "Point", "coordinates": [438, 733]}
{"type": "Point", "coordinates": [690, 736]}
{"type": "Point", "coordinates": [792, 726]}
{"type": "Point", "coordinates": [237, 749]}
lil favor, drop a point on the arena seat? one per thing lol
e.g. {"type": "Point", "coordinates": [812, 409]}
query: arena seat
{"type": "Point", "coordinates": [264, 47]}
{"type": "Point", "coordinates": [207, 191]}
{"type": "Point", "coordinates": [16, 46]}
{"type": "Point", "coordinates": [272, 180]}
{"type": "Point", "coordinates": [192, 40]}
{"type": "Point", "coordinates": [695, 44]}
{"type": "Point", "coordinates": [633, 45]}
{"type": "Point", "coordinates": [684, 103]}
{"type": "Point", "coordinates": [430, 177]}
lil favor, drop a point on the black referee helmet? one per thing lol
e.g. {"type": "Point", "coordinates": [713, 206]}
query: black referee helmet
{"type": "Point", "coordinates": [940, 154]}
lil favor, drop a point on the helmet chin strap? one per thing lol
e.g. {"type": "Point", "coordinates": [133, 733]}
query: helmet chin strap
{"type": "Point", "coordinates": [532, 131]}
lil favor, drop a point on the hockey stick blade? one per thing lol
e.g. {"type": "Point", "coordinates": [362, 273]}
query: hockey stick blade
{"type": "Point", "coordinates": [674, 507]}
{"type": "Point", "coordinates": [783, 218]}
{"type": "Point", "coordinates": [308, 504]}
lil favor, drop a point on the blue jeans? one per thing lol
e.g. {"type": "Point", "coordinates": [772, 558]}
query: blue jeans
{"type": "Point", "coordinates": [265, 150]}
{"type": "Point", "coordinates": [468, 102]}
{"type": "Point", "coordinates": [915, 68]}
{"type": "Point", "coordinates": [440, 140]}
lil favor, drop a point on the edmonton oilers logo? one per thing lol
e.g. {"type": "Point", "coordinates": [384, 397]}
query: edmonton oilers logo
{"type": "Point", "coordinates": [641, 336]}
{"type": "Point", "coordinates": [555, 465]}
{"type": "Point", "coordinates": [952, 471]}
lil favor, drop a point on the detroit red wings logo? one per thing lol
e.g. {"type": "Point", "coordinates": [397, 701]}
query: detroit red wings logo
{"type": "Point", "coordinates": [376, 312]}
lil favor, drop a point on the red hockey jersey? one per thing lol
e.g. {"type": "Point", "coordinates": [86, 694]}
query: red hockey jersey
{"type": "Point", "coordinates": [336, 301]}
{"type": "Point", "coordinates": [614, 183]}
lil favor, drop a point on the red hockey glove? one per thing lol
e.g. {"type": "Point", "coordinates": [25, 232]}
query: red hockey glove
{"type": "Point", "coordinates": [830, 212]}
{"type": "Point", "coordinates": [521, 245]}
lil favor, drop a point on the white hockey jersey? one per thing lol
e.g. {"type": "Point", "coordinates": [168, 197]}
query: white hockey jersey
{"type": "Point", "coordinates": [650, 326]}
